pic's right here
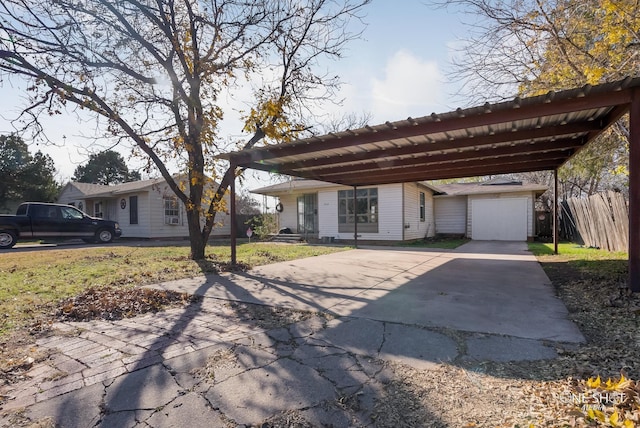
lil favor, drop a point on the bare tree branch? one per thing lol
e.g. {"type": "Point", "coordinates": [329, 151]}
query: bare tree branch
{"type": "Point", "coordinates": [154, 69]}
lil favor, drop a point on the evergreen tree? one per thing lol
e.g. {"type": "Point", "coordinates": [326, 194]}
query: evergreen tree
{"type": "Point", "coordinates": [106, 168]}
{"type": "Point", "coordinates": [25, 177]}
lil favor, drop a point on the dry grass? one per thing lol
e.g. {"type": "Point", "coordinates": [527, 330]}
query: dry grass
{"type": "Point", "coordinates": [34, 282]}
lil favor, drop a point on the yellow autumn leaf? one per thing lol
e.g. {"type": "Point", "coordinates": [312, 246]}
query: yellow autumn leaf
{"type": "Point", "coordinates": [620, 384]}
{"type": "Point", "coordinates": [596, 414]}
{"type": "Point", "coordinates": [621, 170]}
{"type": "Point", "coordinates": [628, 424]}
{"type": "Point", "coordinates": [591, 383]}
{"type": "Point", "coordinates": [614, 419]}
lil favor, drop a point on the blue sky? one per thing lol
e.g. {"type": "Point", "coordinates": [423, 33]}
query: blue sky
{"type": "Point", "coordinates": [398, 69]}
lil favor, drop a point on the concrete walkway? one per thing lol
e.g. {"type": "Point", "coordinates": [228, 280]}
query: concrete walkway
{"type": "Point", "coordinates": [217, 364]}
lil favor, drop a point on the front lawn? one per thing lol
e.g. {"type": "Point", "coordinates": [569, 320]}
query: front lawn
{"type": "Point", "coordinates": [34, 281]}
{"type": "Point", "coordinates": [590, 263]}
{"type": "Point", "coordinates": [443, 243]}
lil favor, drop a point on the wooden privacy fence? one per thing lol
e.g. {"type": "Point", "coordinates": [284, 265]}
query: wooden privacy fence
{"type": "Point", "coordinates": [602, 220]}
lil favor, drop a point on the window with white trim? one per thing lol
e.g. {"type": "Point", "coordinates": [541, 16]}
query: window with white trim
{"type": "Point", "coordinates": [366, 203]}
{"type": "Point", "coordinates": [423, 208]}
{"type": "Point", "coordinates": [171, 211]}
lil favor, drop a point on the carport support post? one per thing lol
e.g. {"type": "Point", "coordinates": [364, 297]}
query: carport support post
{"type": "Point", "coordinates": [355, 215]}
{"type": "Point", "coordinates": [634, 192]}
{"type": "Point", "coordinates": [232, 213]}
{"type": "Point", "coordinates": [555, 211]}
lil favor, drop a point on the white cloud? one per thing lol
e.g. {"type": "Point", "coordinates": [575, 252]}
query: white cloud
{"type": "Point", "coordinates": [411, 86]}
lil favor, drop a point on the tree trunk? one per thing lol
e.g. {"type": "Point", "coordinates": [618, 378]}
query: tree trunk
{"type": "Point", "coordinates": [198, 244]}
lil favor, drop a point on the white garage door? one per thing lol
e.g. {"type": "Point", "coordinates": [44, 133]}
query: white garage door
{"type": "Point", "coordinates": [499, 219]}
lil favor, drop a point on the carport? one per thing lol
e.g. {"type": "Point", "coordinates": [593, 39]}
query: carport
{"type": "Point", "coordinates": [523, 135]}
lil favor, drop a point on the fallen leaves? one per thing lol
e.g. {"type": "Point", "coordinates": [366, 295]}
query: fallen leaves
{"type": "Point", "coordinates": [112, 303]}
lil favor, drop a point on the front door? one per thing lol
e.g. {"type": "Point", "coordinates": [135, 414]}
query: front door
{"type": "Point", "coordinates": [308, 214]}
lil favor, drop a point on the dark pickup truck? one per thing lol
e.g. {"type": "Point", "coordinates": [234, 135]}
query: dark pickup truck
{"type": "Point", "coordinates": [36, 220]}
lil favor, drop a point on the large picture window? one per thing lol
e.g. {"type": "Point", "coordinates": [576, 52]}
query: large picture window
{"type": "Point", "coordinates": [366, 210]}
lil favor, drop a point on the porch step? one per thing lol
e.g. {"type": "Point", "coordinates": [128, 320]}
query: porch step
{"type": "Point", "coordinates": [287, 237]}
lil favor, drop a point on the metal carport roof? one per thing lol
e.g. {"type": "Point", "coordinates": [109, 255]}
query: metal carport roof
{"type": "Point", "coordinates": [529, 134]}
{"type": "Point", "coordinates": [521, 135]}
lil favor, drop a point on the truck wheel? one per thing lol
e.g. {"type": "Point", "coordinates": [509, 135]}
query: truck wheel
{"type": "Point", "coordinates": [104, 236]}
{"type": "Point", "coordinates": [7, 239]}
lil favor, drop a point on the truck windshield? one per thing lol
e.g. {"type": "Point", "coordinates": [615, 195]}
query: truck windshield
{"type": "Point", "coordinates": [69, 212]}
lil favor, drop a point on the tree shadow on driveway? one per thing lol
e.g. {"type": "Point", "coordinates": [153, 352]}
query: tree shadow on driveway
{"type": "Point", "coordinates": [327, 369]}
{"type": "Point", "coordinates": [286, 371]}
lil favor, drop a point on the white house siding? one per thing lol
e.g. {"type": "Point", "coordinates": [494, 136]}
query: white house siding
{"type": "Point", "coordinates": [389, 216]}
{"type": "Point", "coordinates": [143, 228]}
{"type": "Point", "coordinates": [157, 221]}
{"type": "Point", "coordinates": [328, 214]}
{"type": "Point", "coordinates": [70, 195]}
{"type": "Point", "coordinates": [414, 228]}
{"type": "Point", "coordinates": [530, 207]}
{"type": "Point", "coordinates": [289, 215]}
{"type": "Point", "coordinates": [223, 225]}
{"type": "Point", "coordinates": [451, 214]}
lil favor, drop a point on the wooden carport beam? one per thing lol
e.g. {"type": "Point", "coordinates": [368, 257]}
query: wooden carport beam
{"type": "Point", "coordinates": [428, 158]}
{"type": "Point", "coordinates": [561, 134]}
{"type": "Point", "coordinates": [443, 172]}
{"type": "Point", "coordinates": [634, 192]}
{"type": "Point", "coordinates": [433, 164]}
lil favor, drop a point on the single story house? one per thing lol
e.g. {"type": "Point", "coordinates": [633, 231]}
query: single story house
{"type": "Point", "coordinates": [144, 209]}
{"type": "Point", "coordinates": [498, 209]}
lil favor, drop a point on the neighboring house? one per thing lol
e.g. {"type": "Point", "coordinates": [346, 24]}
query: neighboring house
{"type": "Point", "coordinates": [144, 209]}
{"type": "Point", "coordinates": [492, 210]}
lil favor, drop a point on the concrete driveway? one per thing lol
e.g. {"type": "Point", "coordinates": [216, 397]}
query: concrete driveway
{"type": "Point", "coordinates": [483, 286]}
{"type": "Point", "coordinates": [399, 305]}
